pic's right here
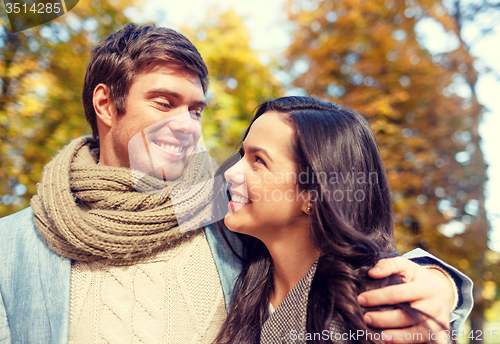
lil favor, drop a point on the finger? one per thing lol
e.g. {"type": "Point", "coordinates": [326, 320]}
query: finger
{"type": "Point", "coordinates": [400, 318]}
{"type": "Point", "coordinates": [391, 295]}
{"type": "Point", "coordinates": [392, 266]}
{"type": "Point", "coordinates": [395, 318]}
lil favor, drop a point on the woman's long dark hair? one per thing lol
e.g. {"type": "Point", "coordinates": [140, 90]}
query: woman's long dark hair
{"type": "Point", "coordinates": [338, 161]}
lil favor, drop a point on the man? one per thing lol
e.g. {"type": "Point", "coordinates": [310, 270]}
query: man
{"type": "Point", "coordinates": [94, 260]}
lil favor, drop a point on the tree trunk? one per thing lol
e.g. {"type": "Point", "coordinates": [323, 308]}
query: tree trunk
{"type": "Point", "coordinates": [477, 317]}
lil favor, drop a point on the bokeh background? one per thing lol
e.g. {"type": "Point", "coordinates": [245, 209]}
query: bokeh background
{"type": "Point", "coordinates": [426, 72]}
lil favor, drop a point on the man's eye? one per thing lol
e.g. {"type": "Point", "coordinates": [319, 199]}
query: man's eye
{"type": "Point", "coordinates": [163, 105]}
{"type": "Point", "coordinates": [195, 113]}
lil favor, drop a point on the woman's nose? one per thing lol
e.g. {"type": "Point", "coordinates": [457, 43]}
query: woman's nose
{"type": "Point", "coordinates": [236, 173]}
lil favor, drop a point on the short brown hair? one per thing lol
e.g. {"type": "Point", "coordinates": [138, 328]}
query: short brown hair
{"type": "Point", "coordinates": [117, 59]}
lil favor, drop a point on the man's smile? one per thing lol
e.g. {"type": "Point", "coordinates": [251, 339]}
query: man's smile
{"type": "Point", "coordinates": [173, 148]}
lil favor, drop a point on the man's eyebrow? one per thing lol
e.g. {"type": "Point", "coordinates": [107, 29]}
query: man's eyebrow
{"type": "Point", "coordinates": [201, 103]}
{"type": "Point", "coordinates": [157, 92]}
{"type": "Point", "coordinates": [254, 149]}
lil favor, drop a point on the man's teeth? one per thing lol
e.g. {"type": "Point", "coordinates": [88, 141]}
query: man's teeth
{"type": "Point", "coordinates": [171, 148]}
{"type": "Point", "coordinates": [239, 199]}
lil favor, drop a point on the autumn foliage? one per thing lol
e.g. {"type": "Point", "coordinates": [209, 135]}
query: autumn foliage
{"type": "Point", "coordinates": [423, 109]}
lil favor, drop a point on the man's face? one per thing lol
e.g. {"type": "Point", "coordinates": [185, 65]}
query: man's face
{"type": "Point", "coordinates": [161, 126]}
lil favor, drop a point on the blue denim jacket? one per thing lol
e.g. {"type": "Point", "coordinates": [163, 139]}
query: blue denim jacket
{"type": "Point", "coordinates": [35, 283]}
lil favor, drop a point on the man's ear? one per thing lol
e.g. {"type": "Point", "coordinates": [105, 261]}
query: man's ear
{"type": "Point", "coordinates": [103, 105]}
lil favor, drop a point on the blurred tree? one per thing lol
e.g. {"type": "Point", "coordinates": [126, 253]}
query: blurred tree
{"type": "Point", "coordinates": [239, 81]}
{"type": "Point", "coordinates": [372, 55]}
{"type": "Point", "coordinates": [483, 16]}
{"type": "Point", "coordinates": [42, 71]}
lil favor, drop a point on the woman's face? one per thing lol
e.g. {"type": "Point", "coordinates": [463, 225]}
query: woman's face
{"type": "Point", "coordinates": [266, 197]}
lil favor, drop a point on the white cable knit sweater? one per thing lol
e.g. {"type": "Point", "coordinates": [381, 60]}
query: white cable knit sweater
{"type": "Point", "coordinates": [172, 297]}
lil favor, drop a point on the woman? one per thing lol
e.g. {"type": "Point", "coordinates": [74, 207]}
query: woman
{"type": "Point", "coordinates": [311, 197]}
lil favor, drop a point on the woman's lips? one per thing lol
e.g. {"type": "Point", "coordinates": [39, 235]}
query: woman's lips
{"type": "Point", "coordinates": [239, 199]}
{"type": "Point", "coordinates": [237, 202]}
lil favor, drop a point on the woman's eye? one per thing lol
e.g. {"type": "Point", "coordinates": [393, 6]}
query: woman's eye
{"type": "Point", "coordinates": [259, 160]}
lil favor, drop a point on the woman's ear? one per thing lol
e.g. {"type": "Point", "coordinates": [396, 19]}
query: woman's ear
{"type": "Point", "coordinates": [308, 205]}
{"type": "Point", "coordinates": [103, 105]}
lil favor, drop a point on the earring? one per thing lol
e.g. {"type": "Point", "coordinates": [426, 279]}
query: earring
{"type": "Point", "coordinates": [309, 207]}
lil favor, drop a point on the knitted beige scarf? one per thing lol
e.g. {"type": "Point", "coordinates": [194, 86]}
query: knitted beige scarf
{"type": "Point", "coordinates": [86, 211]}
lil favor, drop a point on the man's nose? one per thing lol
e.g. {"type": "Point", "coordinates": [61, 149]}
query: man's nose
{"type": "Point", "coordinates": [183, 123]}
{"type": "Point", "coordinates": [236, 173]}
